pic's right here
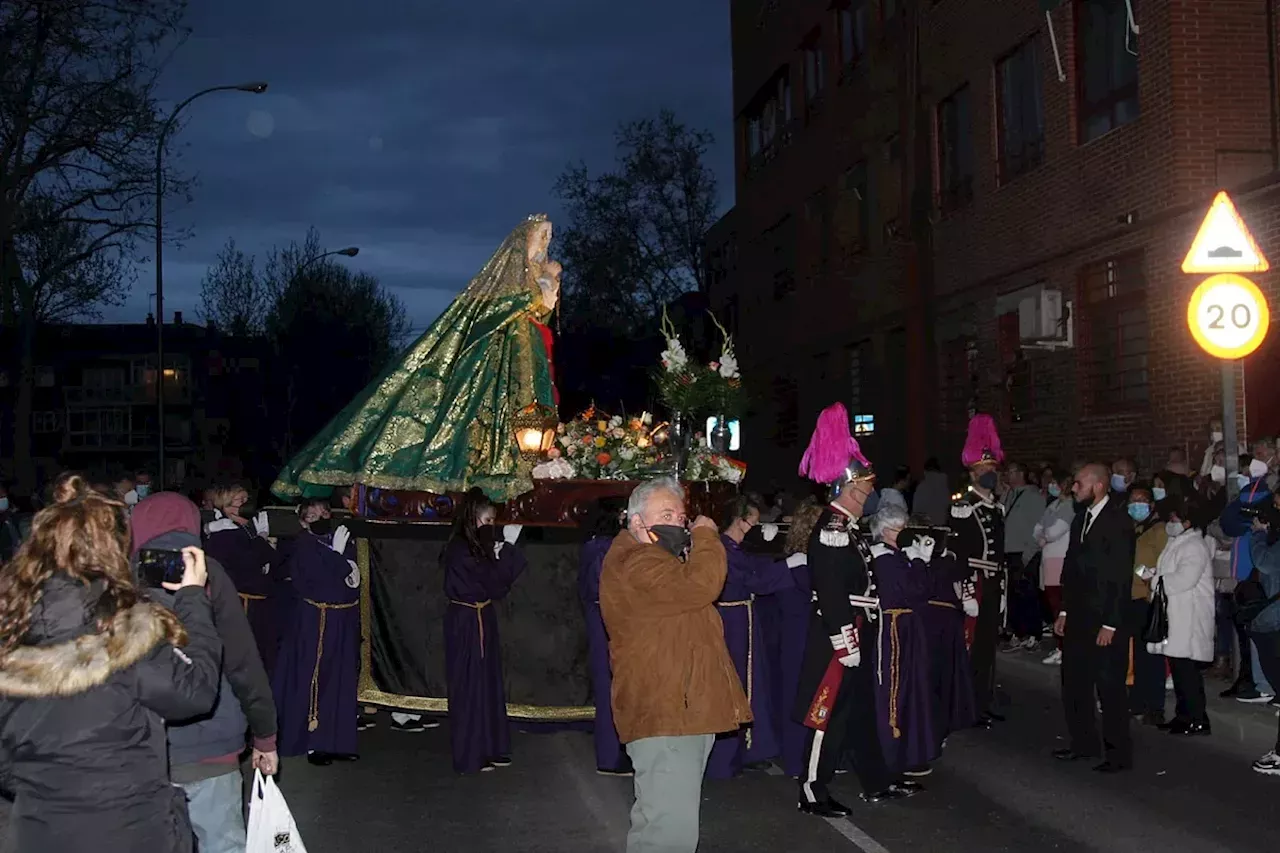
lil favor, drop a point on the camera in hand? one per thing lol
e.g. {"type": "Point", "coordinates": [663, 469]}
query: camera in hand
{"type": "Point", "coordinates": [1266, 512]}
{"type": "Point", "coordinates": [158, 566]}
{"type": "Point", "coordinates": [911, 533]}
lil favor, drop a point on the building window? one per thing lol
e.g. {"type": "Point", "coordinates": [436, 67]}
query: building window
{"type": "Point", "coordinates": [768, 119]}
{"type": "Point", "coordinates": [955, 150]}
{"type": "Point", "coordinates": [864, 425]}
{"type": "Point", "coordinates": [890, 189]}
{"type": "Point", "coordinates": [43, 423]}
{"type": "Point", "coordinates": [815, 73]}
{"type": "Point", "coordinates": [852, 20]}
{"type": "Point", "coordinates": [780, 238]}
{"type": "Point", "coordinates": [1108, 63]}
{"type": "Point", "coordinates": [1020, 111]}
{"type": "Point", "coordinates": [1114, 293]}
{"type": "Point", "coordinates": [856, 223]}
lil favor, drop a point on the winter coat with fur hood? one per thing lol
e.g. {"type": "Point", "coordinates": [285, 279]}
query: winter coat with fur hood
{"type": "Point", "coordinates": [82, 736]}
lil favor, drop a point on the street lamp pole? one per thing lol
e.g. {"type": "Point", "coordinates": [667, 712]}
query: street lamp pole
{"type": "Point", "coordinates": [350, 252]}
{"type": "Point", "coordinates": [256, 89]}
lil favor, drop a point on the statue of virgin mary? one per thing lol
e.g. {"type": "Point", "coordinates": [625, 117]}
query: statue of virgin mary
{"type": "Point", "coordinates": [440, 420]}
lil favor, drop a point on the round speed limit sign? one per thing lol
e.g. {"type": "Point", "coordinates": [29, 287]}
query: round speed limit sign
{"type": "Point", "coordinates": [1228, 316]}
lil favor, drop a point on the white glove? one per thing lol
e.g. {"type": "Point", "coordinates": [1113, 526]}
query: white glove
{"type": "Point", "coordinates": [353, 580]}
{"type": "Point", "coordinates": [769, 532]}
{"type": "Point", "coordinates": [266, 568]}
{"type": "Point", "coordinates": [921, 549]}
{"type": "Point", "coordinates": [1004, 602]}
{"type": "Point", "coordinates": [261, 524]}
{"type": "Point", "coordinates": [797, 560]}
{"type": "Point", "coordinates": [1145, 572]}
{"type": "Point", "coordinates": [852, 660]}
{"type": "Point", "coordinates": [341, 537]}
{"type": "Point", "coordinates": [970, 606]}
{"type": "Point", "coordinates": [511, 532]}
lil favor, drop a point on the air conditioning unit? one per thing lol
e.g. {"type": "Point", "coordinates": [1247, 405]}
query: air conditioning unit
{"type": "Point", "coordinates": [1044, 321]}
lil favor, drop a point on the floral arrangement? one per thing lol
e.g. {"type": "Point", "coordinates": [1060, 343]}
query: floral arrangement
{"type": "Point", "coordinates": [595, 446]}
{"type": "Point", "coordinates": [704, 464]}
{"type": "Point", "coordinates": [714, 388]}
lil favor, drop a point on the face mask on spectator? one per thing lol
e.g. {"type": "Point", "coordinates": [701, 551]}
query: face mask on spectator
{"type": "Point", "coordinates": [1242, 480]}
{"type": "Point", "coordinates": [1139, 511]}
{"type": "Point", "coordinates": [1174, 528]}
{"type": "Point", "coordinates": [1218, 474]}
{"type": "Point", "coordinates": [143, 489]}
{"type": "Point", "coordinates": [1257, 468]}
{"type": "Point", "coordinates": [1054, 490]}
{"type": "Point", "coordinates": [1159, 494]}
{"type": "Point", "coordinates": [1118, 484]}
{"type": "Point", "coordinates": [1216, 436]}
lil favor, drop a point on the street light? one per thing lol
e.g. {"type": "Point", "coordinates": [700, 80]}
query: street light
{"type": "Point", "coordinates": [350, 252]}
{"type": "Point", "coordinates": [253, 88]}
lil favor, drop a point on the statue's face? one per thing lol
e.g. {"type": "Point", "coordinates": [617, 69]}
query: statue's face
{"type": "Point", "coordinates": [553, 269]}
{"type": "Point", "coordinates": [539, 242]}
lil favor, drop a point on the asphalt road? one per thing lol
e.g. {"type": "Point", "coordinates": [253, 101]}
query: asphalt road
{"type": "Point", "coordinates": [993, 791]}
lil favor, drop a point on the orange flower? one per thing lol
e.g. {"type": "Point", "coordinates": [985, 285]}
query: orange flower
{"type": "Point", "coordinates": [603, 458]}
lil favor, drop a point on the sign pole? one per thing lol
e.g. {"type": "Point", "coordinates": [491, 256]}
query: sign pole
{"type": "Point", "coordinates": [1230, 444]}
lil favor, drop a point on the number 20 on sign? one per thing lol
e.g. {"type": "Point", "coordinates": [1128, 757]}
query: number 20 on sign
{"type": "Point", "coordinates": [1228, 316]}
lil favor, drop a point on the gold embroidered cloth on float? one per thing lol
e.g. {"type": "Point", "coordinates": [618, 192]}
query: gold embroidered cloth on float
{"type": "Point", "coordinates": [440, 420]}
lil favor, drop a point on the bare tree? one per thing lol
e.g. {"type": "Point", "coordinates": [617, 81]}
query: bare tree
{"type": "Point", "coordinates": [636, 233]}
{"type": "Point", "coordinates": [233, 297]}
{"type": "Point", "coordinates": [78, 133]}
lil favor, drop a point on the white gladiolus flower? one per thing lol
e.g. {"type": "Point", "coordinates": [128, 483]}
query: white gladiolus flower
{"type": "Point", "coordinates": [615, 421]}
{"type": "Point", "coordinates": [646, 418]}
{"type": "Point", "coordinates": [729, 366]}
{"type": "Point", "coordinates": [627, 453]}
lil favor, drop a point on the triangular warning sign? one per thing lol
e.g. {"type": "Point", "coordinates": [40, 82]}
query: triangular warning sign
{"type": "Point", "coordinates": [1223, 243]}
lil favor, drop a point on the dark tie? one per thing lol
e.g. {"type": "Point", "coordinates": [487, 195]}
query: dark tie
{"type": "Point", "coordinates": [1088, 522]}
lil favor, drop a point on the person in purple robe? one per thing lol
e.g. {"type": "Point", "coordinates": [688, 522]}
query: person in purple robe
{"type": "Point", "coordinates": [479, 568]}
{"type": "Point", "coordinates": [602, 525]}
{"type": "Point", "coordinates": [315, 681]}
{"type": "Point", "coordinates": [749, 575]}
{"type": "Point", "coordinates": [238, 540]}
{"type": "Point", "coordinates": [904, 692]}
{"type": "Point", "coordinates": [793, 607]}
{"type": "Point", "coordinates": [950, 671]}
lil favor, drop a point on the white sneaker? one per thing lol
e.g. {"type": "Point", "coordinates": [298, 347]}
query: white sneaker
{"type": "Point", "coordinates": [1268, 764]}
{"type": "Point", "coordinates": [1054, 658]}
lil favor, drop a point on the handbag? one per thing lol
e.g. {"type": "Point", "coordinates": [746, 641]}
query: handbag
{"type": "Point", "coordinates": [1157, 628]}
{"type": "Point", "coordinates": [271, 827]}
{"type": "Point", "coordinates": [1251, 599]}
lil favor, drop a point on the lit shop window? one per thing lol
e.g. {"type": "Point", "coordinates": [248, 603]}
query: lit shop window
{"type": "Point", "coordinates": [864, 425]}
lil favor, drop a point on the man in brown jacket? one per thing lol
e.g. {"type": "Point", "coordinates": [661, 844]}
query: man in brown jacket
{"type": "Point", "coordinates": [674, 684]}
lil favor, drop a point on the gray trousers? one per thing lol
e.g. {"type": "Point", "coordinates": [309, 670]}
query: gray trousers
{"type": "Point", "coordinates": [668, 784]}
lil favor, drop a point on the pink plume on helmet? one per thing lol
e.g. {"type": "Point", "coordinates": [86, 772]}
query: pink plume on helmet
{"type": "Point", "coordinates": [982, 442]}
{"type": "Point", "coordinates": [831, 448]}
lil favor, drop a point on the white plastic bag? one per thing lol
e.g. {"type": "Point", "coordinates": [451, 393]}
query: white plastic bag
{"type": "Point", "coordinates": [271, 826]}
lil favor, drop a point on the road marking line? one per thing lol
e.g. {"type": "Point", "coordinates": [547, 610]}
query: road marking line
{"type": "Point", "coordinates": [854, 833]}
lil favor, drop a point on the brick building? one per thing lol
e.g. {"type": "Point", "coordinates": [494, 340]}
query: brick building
{"type": "Point", "coordinates": [934, 207]}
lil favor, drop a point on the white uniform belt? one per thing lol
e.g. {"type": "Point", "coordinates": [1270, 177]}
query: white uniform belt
{"type": "Point", "coordinates": [866, 602]}
{"type": "Point", "coordinates": [978, 563]}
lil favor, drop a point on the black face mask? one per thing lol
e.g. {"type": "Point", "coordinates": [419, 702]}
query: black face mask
{"type": "Point", "coordinates": [321, 526]}
{"type": "Point", "coordinates": [672, 537]}
{"type": "Point", "coordinates": [753, 540]}
{"type": "Point", "coordinates": [487, 534]}
{"type": "Point", "coordinates": [988, 481]}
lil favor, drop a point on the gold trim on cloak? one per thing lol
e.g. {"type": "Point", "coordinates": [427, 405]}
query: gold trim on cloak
{"type": "Point", "coordinates": [371, 694]}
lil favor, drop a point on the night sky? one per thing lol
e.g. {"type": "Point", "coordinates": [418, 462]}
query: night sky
{"type": "Point", "coordinates": [421, 132]}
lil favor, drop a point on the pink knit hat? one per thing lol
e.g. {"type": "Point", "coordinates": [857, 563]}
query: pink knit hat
{"type": "Point", "coordinates": [982, 445]}
{"type": "Point", "coordinates": [833, 454]}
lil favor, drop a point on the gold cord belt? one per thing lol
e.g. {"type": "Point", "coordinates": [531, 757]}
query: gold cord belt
{"type": "Point", "coordinates": [313, 713]}
{"type": "Point", "coordinates": [895, 649]}
{"type": "Point", "coordinates": [246, 597]}
{"type": "Point", "coordinates": [478, 607]}
{"type": "Point", "coordinates": [942, 604]}
{"type": "Point", "coordinates": [751, 647]}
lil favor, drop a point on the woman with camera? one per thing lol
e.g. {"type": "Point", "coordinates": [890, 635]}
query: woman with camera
{"type": "Point", "coordinates": [89, 672]}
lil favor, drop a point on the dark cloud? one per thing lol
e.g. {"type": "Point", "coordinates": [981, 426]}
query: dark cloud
{"type": "Point", "coordinates": [421, 132]}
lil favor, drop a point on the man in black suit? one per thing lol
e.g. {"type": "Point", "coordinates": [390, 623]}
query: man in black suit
{"type": "Point", "coordinates": [1097, 579]}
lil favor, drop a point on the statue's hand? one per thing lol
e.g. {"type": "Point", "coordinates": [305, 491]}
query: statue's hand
{"type": "Point", "coordinates": [550, 292]}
